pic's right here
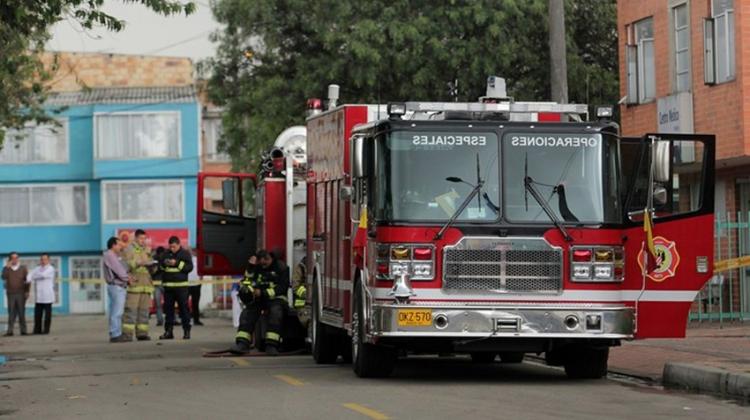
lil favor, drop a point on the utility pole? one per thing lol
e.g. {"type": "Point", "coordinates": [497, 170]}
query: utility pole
{"type": "Point", "coordinates": [557, 51]}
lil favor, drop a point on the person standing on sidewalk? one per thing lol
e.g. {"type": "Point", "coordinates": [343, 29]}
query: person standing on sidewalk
{"type": "Point", "coordinates": [135, 316]}
{"type": "Point", "coordinates": [156, 275]}
{"type": "Point", "coordinates": [43, 278]}
{"type": "Point", "coordinates": [194, 290]}
{"type": "Point", "coordinates": [16, 292]}
{"type": "Point", "coordinates": [116, 276]}
{"type": "Point", "coordinates": [175, 265]}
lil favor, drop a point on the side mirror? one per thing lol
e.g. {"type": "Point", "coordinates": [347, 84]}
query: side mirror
{"type": "Point", "coordinates": [357, 158]}
{"type": "Point", "coordinates": [660, 195]}
{"type": "Point", "coordinates": [662, 160]}
{"type": "Point", "coordinates": [229, 194]}
{"type": "Point", "coordinates": [345, 193]}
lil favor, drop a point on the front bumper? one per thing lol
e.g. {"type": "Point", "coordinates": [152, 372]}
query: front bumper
{"type": "Point", "coordinates": [525, 321]}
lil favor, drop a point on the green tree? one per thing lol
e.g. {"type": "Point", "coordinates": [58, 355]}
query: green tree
{"type": "Point", "coordinates": [274, 54]}
{"type": "Point", "coordinates": [24, 29]}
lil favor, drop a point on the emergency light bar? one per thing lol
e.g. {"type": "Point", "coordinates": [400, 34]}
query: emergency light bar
{"type": "Point", "coordinates": [409, 109]}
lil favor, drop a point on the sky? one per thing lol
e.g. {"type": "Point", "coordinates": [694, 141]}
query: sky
{"type": "Point", "coordinates": [145, 33]}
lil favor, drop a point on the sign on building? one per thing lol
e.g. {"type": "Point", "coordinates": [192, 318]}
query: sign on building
{"type": "Point", "coordinates": [674, 113]}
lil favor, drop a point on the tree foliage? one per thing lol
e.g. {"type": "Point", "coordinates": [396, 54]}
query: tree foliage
{"type": "Point", "coordinates": [274, 54]}
{"type": "Point", "coordinates": [24, 29]}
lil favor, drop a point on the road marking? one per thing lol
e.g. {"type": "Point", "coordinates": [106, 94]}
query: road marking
{"type": "Point", "coordinates": [135, 381]}
{"type": "Point", "coordinates": [240, 362]}
{"type": "Point", "coordinates": [373, 414]}
{"type": "Point", "coordinates": [288, 379]}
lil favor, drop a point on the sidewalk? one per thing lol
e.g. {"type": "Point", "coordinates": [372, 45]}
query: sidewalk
{"type": "Point", "coordinates": [710, 359]}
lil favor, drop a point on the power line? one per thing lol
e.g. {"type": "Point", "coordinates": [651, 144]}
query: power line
{"type": "Point", "coordinates": [184, 41]}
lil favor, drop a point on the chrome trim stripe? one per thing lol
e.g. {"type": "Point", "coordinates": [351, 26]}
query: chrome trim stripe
{"type": "Point", "coordinates": [380, 293]}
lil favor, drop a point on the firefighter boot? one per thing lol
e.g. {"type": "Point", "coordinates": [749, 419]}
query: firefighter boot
{"type": "Point", "coordinates": [167, 334]}
{"type": "Point", "coordinates": [240, 347]}
{"type": "Point", "coordinates": [271, 349]}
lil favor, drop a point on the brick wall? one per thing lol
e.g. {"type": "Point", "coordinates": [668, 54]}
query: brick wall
{"type": "Point", "coordinates": [719, 109]}
{"type": "Point", "coordinates": [80, 70]}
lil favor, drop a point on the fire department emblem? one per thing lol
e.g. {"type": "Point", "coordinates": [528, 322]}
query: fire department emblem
{"type": "Point", "coordinates": [667, 260]}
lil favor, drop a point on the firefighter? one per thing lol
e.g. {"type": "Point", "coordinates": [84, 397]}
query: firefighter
{"type": "Point", "coordinates": [137, 303]}
{"type": "Point", "coordinates": [263, 289]}
{"type": "Point", "coordinates": [299, 276]}
{"type": "Point", "coordinates": [176, 264]}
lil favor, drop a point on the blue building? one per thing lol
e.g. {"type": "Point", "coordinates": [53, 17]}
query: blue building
{"type": "Point", "coordinates": [121, 158]}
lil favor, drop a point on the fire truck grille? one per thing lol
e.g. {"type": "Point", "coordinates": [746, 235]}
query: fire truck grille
{"type": "Point", "coordinates": [535, 268]}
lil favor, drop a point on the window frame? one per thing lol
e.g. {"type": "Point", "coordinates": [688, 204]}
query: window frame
{"type": "Point", "coordinates": [65, 127]}
{"type": "Point", "coordinates": [105, 216]}
{"type": "Point", "coordinates": [97, 115]}
{"type": "Point", "coordinates": [711, 47]}
{"type": "Point", "coordinates": [634, 61]}
{"type": "Point", "coordinates": [213, 155]}
{"type": "Point", "coordinates": [50, 184]}
{"type": "Point", "coordinates": [641, 62]}
{"type": "Point", "coordinates": [676, 73]}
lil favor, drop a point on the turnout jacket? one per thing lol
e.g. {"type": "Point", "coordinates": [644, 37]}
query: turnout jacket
{"type": "Point", "coordinates": [176, 275]}
{"type": "Point", "coordinates": [273, 281]}
{"type": "Point", "coordinates": [137, 258]}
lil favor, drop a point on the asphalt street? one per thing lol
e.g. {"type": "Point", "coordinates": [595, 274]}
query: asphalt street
{"type": "Point", "coordinates": [76, 373]}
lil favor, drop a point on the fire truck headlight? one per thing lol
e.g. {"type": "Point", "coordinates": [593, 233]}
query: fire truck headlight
{"type": "Point", "coordinates": [603, 272]}
{"type": "Point", "coordinates": [581, 272]}
{"type": "Point", "coordinates": [423, 270]}
{"type": "Point", "coordinates": [398, 269]}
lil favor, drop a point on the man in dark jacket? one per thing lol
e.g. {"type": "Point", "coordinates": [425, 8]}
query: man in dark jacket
{"type": "Point", "coordinates": [176, 263]}
{"type": "Point", "coordinates": [264, 289]}
{"type": "Point", "coordinates": [16, 292]}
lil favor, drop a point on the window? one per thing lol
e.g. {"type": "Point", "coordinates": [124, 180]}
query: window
{"type": "Point", "coordinates": [31, 263]}
{"type": "Point", "coordinates": [212, 130]}
{"type": "Point", "coordinates": [137, 136]}
{"type": "Point", "coordinates": [681, 26]}
{"type": "Point", "coordinates": [44, 204]}
{"type": "Point", "coordinates": [143, 201]}
{"type": "Point", "coordinates": [46, 143]}
{"type": "Point", "coordinates": [86, 268]}
{"type": "Point", "coordinates": [640, 58]}
{"type": "Point", "coordinates": [718, 39]}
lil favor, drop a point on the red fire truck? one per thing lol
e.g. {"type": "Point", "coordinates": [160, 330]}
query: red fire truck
{"type": "Point", "coordinates": [497, 229]}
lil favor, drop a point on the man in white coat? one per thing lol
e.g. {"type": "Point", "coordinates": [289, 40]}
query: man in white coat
{"type": "Point", "coordinates": [43, 280]}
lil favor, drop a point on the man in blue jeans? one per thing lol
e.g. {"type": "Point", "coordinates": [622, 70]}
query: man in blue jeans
{"type": "Point", "coordinates": [116, 276]}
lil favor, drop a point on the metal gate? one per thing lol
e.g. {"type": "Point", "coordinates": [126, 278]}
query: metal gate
{"type": "Point", "coordinates": [726, 297]}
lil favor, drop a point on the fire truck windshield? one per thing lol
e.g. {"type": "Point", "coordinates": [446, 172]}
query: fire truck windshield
{"type": "Point", "coordinates": [574, 173]}
{"type": "Point", "coordinates": [427, 175]}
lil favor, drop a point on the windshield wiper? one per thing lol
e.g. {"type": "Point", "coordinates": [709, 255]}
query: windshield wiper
{"type": "Point", "coordinates": [528, 184]}
{"type": "Point", "coordinates": [461, 208]}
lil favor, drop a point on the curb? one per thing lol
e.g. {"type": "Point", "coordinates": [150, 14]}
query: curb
{"type": "Point", "coordinates": [708, 380]}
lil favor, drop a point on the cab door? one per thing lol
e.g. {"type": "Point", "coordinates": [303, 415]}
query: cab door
{"type": "Point", "coordinates": [673, 174]}
{"type": "Point", "coordinates": [227, 222]}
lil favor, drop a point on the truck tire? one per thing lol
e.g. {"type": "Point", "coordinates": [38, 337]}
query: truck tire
{"type": "Point", "coordinates": [323, 340]}
{"type": "Point", "coordinates": [511, 357]}
{"type": "Point", "coordinates": [586, 362]}
{"type": "Point", "coordinates": [483, 357]}
{"type": "Point", "coordinates": [368, 360]}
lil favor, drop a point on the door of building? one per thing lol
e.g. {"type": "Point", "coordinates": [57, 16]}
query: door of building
{"type": "Point", "coordinates": [86, 293]}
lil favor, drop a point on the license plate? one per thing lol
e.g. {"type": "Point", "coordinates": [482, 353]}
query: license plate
{"type": "Point", "coordinates": [414, 317]}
